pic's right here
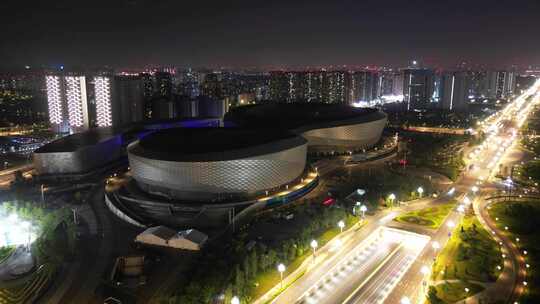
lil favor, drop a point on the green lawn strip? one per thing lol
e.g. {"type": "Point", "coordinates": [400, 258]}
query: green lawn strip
{"type": "Point", "coordinates": [470, 254]}
{"type": "Point", "coordinates": [455, 291]}
{"type": "Point", "coordinates": [520, 218]}
{"type": "Point", "coordinates": [277, 293]}
{"type": "Point", "coordinates": [267, 280]}
{"type": "Point", "coordinates": [431, 217]}
{"type": "Point", "coordinates": [5, 252]}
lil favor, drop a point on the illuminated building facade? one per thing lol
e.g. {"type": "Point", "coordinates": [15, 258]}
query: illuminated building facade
{"type": "Point", "coordinates": [55, 103]}
{"type": "Point", "coordinates": [102, 87]}
{"type": "Point", "coordinates": [77, 102]}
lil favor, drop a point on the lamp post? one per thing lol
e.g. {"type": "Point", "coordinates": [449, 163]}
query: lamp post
{"type": "Point", "coordinates": [341, 225]}
{"type": "Point", "coordinates": [281, 269]}
{"type": "Point", "coordinates": [26, 226]}
{"type": "Point", "coordinates": [392, 197]}
{"type": "Point", "coordinates": [435, 245]}
{"type": "Point", "coordinates": [420, 191]}
{"type": "Point", "coordinates": [314, 245]}
{"type": "Point", "coordinates": [424, 271]}
{"type": "Point", "coordinates": [363, 208]}
{"type": "Point", "coordinates": [42, 195]}
{"type": "Point", "coordinates": [474, 189]}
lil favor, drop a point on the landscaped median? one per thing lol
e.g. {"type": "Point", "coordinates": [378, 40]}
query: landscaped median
{"type": "Point", "coordinates": [465, 264]}
{"type": "Point", "coordinates": [431, 217]}
{"type": "Point", "coordinates": [522, 220]}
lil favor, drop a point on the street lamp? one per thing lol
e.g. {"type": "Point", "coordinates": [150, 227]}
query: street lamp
{"type": "Point", "coordinates": [26, 225]}
{"type": "Point", "coordinates": [435, 245]}
{"type": "Point", "coordinates": [420, 191]}
{"type": "Point", "coordinates": [451, 224]}
{"type": "Point", "coordinates": [341, 225]}
{"type": "Point", "coordinates": [363, 208]}
{"type": "Point", "coordinates": [235, 300]}
{"type": "Point", "coordinates": [281, 269]}
{"type": "Point", "coordinates": [405, 300]}
{"type": "Point", "coordinates": [474, 189]}
{"type": "Point", "coordinates": [314, 245]}
{"type": "Point", "coordinates": [461, 208]}
{"type": "Point", "coordinates": [392, 197]}
{"type": "Point", "coordinates": [466, 200]}
{"type": "Point", "coordinates": [424, 271]}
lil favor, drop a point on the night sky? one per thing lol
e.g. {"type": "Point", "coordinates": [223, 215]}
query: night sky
{"type": "Point", "coordinates": [271, 33]}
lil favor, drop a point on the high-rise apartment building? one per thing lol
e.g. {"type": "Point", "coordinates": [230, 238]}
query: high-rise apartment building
{"type": "Point", "coordinates": [454, 91]}
{"type": "Point", "coordinates": [500, 84]}
{"type": "Point", "coordinates": [67, 102]}
{"type": "Point", "coordinates": [163, 84]}
{"type": "Point", "coordinates": [418, 86]}
{"type": "Point", "coordinates": [119, 100]}
{"type": "Point", "coordinates": [364, 86]}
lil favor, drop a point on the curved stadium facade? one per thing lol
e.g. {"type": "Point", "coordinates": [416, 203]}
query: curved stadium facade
{"type": "Point", "coordinates": [324, 126]}
{"type": "Point", "coordinates": [211, 164]}
{"type": "Point", "coordinates": [205, 177]}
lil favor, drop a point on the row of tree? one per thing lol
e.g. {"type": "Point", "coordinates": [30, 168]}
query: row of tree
{"type": "Point", "coordinates": [235, 270]}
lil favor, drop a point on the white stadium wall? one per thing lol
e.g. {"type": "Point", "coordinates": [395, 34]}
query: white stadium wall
{"type": "Point", "coordinates": [203, 180]}
{"type": "Point", "coordinates": [362, 135]}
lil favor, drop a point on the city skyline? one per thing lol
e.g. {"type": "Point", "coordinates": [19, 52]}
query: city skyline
{"type": "Point", "coordinates": [269, 35]}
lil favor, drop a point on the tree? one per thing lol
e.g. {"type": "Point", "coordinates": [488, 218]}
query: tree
{"type": "Point", "coordinates": [253, 265]}
{"type": "Point", "coordinates": [245, 268]}
{"type": "Point", "coordinates": [292, 253]}
{"type": "Point", "coordinates": [238, 280]}
{"type": "Point", "coordinates": [432, 296]}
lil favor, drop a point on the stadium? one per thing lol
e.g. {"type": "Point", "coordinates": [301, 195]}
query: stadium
{"type": "Point", "coordinates": [208, 164]}
{"type": "Point", "coordinates": [206, 177]}
{"type": "Point", "coordinates": [326, 127]}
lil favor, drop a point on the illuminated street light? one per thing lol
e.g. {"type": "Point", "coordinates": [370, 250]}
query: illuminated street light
{"type": "Point", "coordinates": [451, 224]}
{"type": "Point", "coordinates": [474, 189]}
{"type": "Point", "coordinates": [314, 245]}
{"type": "Point", "coordinates": [461, 209]}
{"type": "Point", "coordinates": [466, 200]}
{"type": "Point", "coordinates": [436, 245]}
{"type": "Point", "coordinates": [363, 208]}
{"type": "Point", "coordinates": [281, 269]}
{"type": "Point", "coordinates": [467, 289]}
{"type": "Point", "coordinates": [341, 225]}
{"type": "Point", "coordinates": [235, 300]}
{"type": "Point", "coordinates": [391, 197]}
{"type": "Point", "coordinates": [420, 191]}
{"type": "Point", "coordinates": [424, 270]}
{"type": "Point", "coordinates": [405, 300]}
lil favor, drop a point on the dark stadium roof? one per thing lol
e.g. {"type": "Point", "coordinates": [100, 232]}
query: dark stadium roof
{"type": "Point", "coordinates": [300, 116]}
{"type": "Point", "coordinates": [77, 141]}
{"type": "Point", "coordinates": [200, 144]}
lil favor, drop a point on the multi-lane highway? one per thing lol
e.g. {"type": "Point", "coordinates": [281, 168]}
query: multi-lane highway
{"type": "Point", "coordinates": [388, 271]}
{"type": "Point", "coordinates": [486, 160]}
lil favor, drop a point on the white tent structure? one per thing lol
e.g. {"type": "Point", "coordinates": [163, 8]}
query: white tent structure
{"type": "Point", "coordinates": [190, 239]}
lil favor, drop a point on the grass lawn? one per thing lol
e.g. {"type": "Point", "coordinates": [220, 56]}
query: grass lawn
{"type": "Point", "coordinates": [431, 217]}
{"type": "Point", "coordinates": [5, 252]}
{"type": "Point", "coordinates": [521, 219]}
{"type": "Point", "coordinates": [470, 254]}
{"type": "Point", "coordinates": [271, 278]}
{"type": "Point", "coordinates": [455, 291]}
